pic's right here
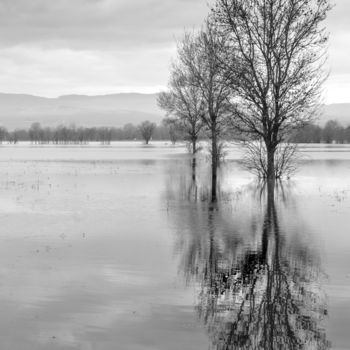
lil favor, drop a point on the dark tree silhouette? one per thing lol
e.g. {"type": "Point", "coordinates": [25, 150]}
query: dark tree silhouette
{"type": "Point", "coordinates": [147, 129]}
{"type": "Point", "coordinates": [275, 53]}
{"type": "Point", "coordinates": [200, 56]}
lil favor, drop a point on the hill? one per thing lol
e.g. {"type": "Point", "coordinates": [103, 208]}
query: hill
{"type": "Point", "coordinates": [20, 111]}
{"type": "Point", "coordinates": [339, 112]}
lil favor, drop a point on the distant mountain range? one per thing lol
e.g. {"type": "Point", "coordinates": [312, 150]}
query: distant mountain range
{"type": "Point", "coordinates": [20, 111]}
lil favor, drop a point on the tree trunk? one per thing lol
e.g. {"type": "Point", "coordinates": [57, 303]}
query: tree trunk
{"type": "Point", "coordinates": [212, 259]}
{"type": "Point", "coordinates": [270, 162]}
{"type": "Point", "coordinates": [269, 219]}
{"type": "Point", "coordinates": [214, 165]}
{"type": "Point", "coordinates": [194, 169]}
{"type": "Point", "coordinates": [194, 146]}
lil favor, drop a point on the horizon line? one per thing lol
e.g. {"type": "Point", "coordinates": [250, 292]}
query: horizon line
{"type": "Point", "coordinates": [77, 94]}
{"type": "Point", "coordinates": [113, 93]}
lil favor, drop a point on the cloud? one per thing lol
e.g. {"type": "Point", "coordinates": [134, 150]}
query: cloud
{"type": "Point", "coordinates": [92, 24]}
{"type": "Point", "coordinates": [338, 18]}
{"type": "Point", "coordinates": [337, 87]}
{"type": "Point", "coordinates": [59, 47]}
{"type": "Point", "coordinates": [53, 47]}
{"type": "Point", "coordinates": [60, 71]}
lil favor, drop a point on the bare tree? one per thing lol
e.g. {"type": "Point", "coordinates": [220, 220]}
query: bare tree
{"type": "Point", "coordinates": [184, 105]}
{"type": "Point", "coordinates": [199, 55]}
{"type": "Point", "coordinates": [278, 47]}
{"type": "Point", "coordinates": [174, 129]}
{"type": "Point", "coordinates": [146, 129]}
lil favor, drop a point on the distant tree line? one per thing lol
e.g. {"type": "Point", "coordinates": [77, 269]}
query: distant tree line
{"type": "Point", "coordinates": [332, 132]}
{"type": "Point", "coordinates": [63, 134]}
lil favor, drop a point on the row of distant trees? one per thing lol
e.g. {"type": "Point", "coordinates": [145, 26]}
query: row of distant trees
{"type": "Point", "coordinates": [63, 134]}
{"type": "Point", "coordinates": [332, 132]}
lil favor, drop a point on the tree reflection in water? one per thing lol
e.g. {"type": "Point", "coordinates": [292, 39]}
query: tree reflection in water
{"type": "Point", "coordinates": [258, 280]}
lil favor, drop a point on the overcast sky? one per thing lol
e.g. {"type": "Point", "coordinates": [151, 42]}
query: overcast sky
{"type": "Point", "coordinates": [55, 47]}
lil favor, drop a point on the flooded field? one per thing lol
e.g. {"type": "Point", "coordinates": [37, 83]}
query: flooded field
{"type": "Point", "coordinates": [118, 247]}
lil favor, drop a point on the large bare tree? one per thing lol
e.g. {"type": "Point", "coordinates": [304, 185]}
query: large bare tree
{"type": "Point", "coordinates": [275, 54]}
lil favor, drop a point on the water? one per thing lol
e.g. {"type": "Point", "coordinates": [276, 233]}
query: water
{"type": "Point", "coordinates": [118, 248]}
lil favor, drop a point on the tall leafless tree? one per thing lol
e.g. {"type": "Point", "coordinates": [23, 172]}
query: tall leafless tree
{"type": "Point", "coordinates": [278, 50]}
{"type": "Point", "coordinates": [200, 55]}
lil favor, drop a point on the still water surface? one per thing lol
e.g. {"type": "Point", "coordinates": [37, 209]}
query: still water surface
{"type": "Point", "coordinates": [119, 248]}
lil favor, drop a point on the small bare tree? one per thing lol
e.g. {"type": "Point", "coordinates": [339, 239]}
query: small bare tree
{"type": "Point", "coordinates": [174, 129]}
{"type": "Point", "coordinates": [278, 50]}
{"type": "Point", "coordinates": [184, 105]}
{"type": "Point", "coordinates": [146, 129]}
